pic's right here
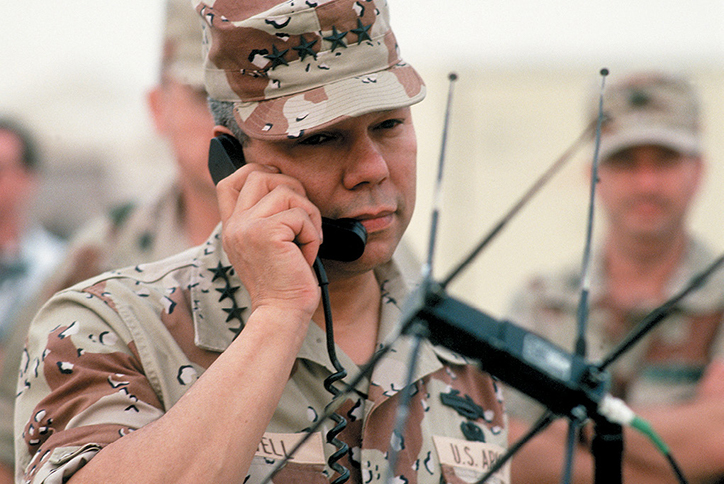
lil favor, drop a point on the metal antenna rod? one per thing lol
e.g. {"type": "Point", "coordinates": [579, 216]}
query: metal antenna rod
{"type": "Point", "coordinates": [582, 315]}
{"type": "Point", "coordinates": [437, 194]}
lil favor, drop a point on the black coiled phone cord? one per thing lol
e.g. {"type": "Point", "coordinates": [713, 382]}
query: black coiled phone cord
{"type": "Point", "coordinates": [339, 374]}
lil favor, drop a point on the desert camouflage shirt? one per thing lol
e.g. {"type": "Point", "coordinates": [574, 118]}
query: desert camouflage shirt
{"type": "Point", "coordinates": [665, 366]}
{"type": "Point", "coordinates": [115, 352]}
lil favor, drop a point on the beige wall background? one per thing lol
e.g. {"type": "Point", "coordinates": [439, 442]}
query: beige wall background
{"type": "Point", "coordinates": [77, 72]}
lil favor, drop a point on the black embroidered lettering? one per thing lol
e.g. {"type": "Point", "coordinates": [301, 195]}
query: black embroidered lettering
{"type": "Point", "coordinates": [456, 453]}
{"type": "Point", "coordinates": [471, 459]}
{"type": "Point", "coordinates": [264, 443]}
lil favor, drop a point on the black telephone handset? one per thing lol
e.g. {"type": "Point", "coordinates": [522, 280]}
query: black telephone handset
{"type": "Point", "coordinates": [344, 239]}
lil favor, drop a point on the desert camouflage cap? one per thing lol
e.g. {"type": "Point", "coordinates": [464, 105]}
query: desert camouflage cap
{"type": "Point", "coordinates": [293, 66]}
{"type": "Point", "coordinates": [182, 54]}
{"type": "Point", "coordinates": [650, 108]}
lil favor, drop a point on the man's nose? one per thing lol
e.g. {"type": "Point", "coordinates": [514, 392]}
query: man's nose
{"type": "Point", "coordinates": [647, 175]}
{"type": "Point", "coordinates": [366, 164]}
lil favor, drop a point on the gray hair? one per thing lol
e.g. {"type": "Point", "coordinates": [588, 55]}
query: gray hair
{"type": "Point", "coordinates": [223, 113]}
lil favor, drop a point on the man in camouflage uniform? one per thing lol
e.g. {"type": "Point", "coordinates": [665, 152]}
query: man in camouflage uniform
{"type": "Point", "coordinates": [651, 169]}
{"type": "Point", "coordinates": [208, 366]}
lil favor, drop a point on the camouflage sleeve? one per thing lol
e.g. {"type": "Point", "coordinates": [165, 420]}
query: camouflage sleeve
{"type": "Point", "coordinates": [81, 386]}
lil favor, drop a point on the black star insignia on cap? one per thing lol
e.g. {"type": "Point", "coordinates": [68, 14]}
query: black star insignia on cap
{"type": "Point", "coordinates": [337, 38]}
{"type": "Point", "coordinates": [277, 57]}
{"type": "Point", "coordinates": [362, 32]}
{"type": "Point", "coordinates": [305, 48]}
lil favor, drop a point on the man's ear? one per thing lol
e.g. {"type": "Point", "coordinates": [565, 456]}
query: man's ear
{"type": "Point", "coordinates": [154, 100]}
{"type": "Point", "coordinates": [219, 130]}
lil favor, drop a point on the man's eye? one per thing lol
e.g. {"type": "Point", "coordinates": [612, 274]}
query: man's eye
{"type": "Point", "coordinates": [316, 139]}
{"type": "Point", "coordinates": [389, 123]}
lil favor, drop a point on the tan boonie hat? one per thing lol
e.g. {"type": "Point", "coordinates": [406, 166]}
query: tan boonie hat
{"type": "Point", "coordinates": [650, 108]}
{"type": "Point", "coordinates": [182, 56]}
{"type": "Point", "coordinates": [293, 66]}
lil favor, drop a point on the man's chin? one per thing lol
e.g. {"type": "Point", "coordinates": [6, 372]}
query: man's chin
{"type": "Point", "coordinates": [651, 233]}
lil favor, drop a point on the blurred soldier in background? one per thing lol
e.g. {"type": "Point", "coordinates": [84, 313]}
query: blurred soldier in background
{"type": "Point", "coordinates": [28, 253]}
{"type": "Point", "coordinates": [651, 168]}
{"type": "Point", "coordinates": [185, 212]}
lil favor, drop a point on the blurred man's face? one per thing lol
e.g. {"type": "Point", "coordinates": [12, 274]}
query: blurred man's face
{"type": "Point", "coordinates": [16, 182]}
{"type": "Point", "coordinates": [647, 190]}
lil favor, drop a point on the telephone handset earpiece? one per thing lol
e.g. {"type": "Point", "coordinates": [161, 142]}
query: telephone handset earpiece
{"type": "Point", "coordinates": [344, 239]}
{"type": "Point", "coordinates": [225, 157]}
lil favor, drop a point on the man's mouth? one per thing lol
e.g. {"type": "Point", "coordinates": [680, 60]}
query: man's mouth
{"type": "Point", "coordinates": [376, 222]}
